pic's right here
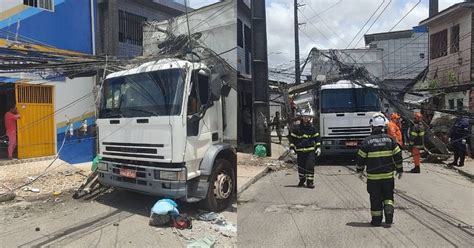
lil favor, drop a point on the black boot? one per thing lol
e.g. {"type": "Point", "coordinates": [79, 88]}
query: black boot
{"type": "Point", "coordinates": [301, 183]}
{"type": "Point", "coordinates": [310, 185]}
{"type": "Point", "coordinates": [376, 221]}
{"type": "Point", "coordinates": [415, 170]}
{"type": "Point", "coordinates": [388, 211]}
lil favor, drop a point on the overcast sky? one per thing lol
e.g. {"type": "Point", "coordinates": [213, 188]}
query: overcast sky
{"type": "Point", "coordinates": [334, 27]}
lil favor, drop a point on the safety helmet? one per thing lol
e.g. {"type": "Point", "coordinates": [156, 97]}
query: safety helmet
{"type": "Point", "coordinates": [418, 116]}
{"type": "Point", "coordinates": [378, 120]}
{"type": "Point", "coordinates": [394, 116]}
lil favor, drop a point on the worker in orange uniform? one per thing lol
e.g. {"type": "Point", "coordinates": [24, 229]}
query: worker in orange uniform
{"type": "Point", "coordinates": [417, 141]}
{"type": "Point", "coordinates": [394, 128]}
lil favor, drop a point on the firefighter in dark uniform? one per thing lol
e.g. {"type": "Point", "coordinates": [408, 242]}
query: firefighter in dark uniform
{"type": "Point", "coordinates": [304, 140]}
{"type": "Point", "coordinates": [382, 156]}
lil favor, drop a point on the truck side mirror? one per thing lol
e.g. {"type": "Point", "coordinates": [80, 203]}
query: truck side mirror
{"type": "Point", "coordinates": [217, 73]}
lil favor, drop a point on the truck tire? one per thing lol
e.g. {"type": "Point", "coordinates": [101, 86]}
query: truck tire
{"type": "Point", "coordinates": [222, 183]}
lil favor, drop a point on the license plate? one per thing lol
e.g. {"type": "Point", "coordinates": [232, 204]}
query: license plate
{"type": "Point", "coordinates": [128, 173]}
{"type": "Point", "coordinates": [351, 143]}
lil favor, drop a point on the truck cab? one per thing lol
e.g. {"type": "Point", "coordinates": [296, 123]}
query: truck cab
{"type": "Point", "coordinates": [162, 131]}
{"type": "Point", "coordinates": [345, 108]}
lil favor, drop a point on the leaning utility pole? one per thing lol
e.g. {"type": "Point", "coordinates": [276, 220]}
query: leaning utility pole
{"type": "Point", "coordinates": [297, 46]}
{"type": "Point", "coordinates": [260, 96]}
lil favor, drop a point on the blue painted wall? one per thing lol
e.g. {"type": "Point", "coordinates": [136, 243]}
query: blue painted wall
{"type": "Point", "coordinates": [68, 27]}
{"type": "Point", "coordinates": [78, 148]}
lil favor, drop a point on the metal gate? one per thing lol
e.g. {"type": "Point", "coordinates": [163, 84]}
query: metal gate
{"type": "Point", "coordinates": [36, 134]}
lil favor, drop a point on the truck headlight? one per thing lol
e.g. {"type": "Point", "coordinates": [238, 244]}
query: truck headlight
{"type": "Point", "coordinates": [173, 175]}
{"type": "Point", "coordinates": [103, 166]}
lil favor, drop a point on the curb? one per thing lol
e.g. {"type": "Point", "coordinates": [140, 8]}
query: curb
{"type": "Point", "coordinates": [27, 160]}
{"type": "Point", "coordinates": [252, 181]}
{"type": "Point", "coordinates": [464, 173]}
{"type": "Point", "coordinates": [460, 171]}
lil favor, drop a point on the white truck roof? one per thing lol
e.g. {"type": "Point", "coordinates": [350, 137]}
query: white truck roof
{"type": "Point", "coordinates": [346, 84]}
{"type": "Point", "coordinates": [161, 64]}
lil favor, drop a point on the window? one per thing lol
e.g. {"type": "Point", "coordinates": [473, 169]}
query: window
{"type": "Point", "coordinates": [460, 104]}
{"type": "Point", "coordinates": [349, 100]}
{"type": "Point", "coordinates": [199, 96]}
{"type": "Point", "coordinates": [131, 28]}
{"type": "Point", "coordinates": [240, 34]}
{"type": "Point", "coordinates": [248, 48]}
{"type": "Point", "coordinates": [156, 93]}
{"type": "Point", "coordinates": [454, 39]}
{"type": "Point", "coordinates": [439, 44]}
{"type": "Point", "coordinates": [451, 104]}
{"type": "Point", "coordinates": [42, 4]}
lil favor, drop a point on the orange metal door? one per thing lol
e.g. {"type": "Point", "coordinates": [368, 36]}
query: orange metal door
{"type": "Point", "coordinates": [36, 134]}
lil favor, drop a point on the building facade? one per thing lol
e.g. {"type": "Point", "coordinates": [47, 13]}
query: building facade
{"type": "Point", "coordinates": [112, 27]}
{"type": "Point", "coordinates": [404, 53]}
{"type": "Point", "coordinates": [120, 23]}
{"type": "Point", "coordinates": [67, 26]}
{"type": "Point", "coordinates": [450, 58]}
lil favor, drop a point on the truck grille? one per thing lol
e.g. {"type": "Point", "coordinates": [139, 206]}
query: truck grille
{"type": "Point", "coordinates": [132, 150]}
{"type": "Point", "coordinates": [343, 131]}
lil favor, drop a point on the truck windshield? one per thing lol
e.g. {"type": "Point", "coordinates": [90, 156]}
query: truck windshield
{"type": "Point", "coordinates": [349, 100]}
{"type": "Point", "coordinates": [156, 93]}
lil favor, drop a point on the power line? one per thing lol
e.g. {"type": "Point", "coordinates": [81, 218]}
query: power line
{"type": "Point", "coordinates": [360, 30]}
{"type": "Point", "coordinates": [327, 26]}
{"type": "Point", "coordinates": [376, 19]}
{"type": "Point", "coordinates": [419, 1]}
{"type": "Point", "coordinates": [326, 9]}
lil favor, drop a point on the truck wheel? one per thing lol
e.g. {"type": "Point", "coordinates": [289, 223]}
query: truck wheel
{"type": "Point", "coordinates": [221, 187]}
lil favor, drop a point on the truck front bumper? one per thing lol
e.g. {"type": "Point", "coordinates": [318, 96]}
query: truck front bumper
{"type": "Point", "coordinates": [147, 179]}
{"type": "Point", "coordinates": [337, 147]}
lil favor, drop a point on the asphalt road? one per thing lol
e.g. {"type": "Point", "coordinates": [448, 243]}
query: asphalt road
{"type": "Point", "coordinates": [115, 219]}
{"type": "Point", "coordinates": [433, 209]}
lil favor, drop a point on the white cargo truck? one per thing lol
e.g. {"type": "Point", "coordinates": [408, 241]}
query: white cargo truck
{"type": "Point", "coordinates": [342, 111]}
{"type": "Point", "coordinates": [162, 129]}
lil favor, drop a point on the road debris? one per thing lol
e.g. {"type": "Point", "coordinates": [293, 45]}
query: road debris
{"type": "Point", "coordinates": [207, 216]}
{"type": "Point", "coordinates": [206, 242]}
{"type": "Point", "coordinates": [7, 196]}
{"type": "Point", "coordinates": [162, 212]}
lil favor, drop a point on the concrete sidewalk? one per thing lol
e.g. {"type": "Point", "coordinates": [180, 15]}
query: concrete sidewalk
{"type": "Point", "coordinates": [251, 168]}
{"type": "Point", "coordinates": [55, 177]}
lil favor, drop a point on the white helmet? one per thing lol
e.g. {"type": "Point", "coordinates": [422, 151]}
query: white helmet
{"type": "Point", "coordinates": [378, 120]}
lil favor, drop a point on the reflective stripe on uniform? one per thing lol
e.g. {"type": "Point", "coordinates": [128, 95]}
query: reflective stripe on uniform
{"type": "Point", "coordinates": [292, 145]}
{"type": "Point", "coordinates": [376, 213]}
{"type": "Point", "coordinates": [380, 154]}
{"type": "Point", "coordinates": [420, 147]}
{"type": "Point", "coordinates": [417, 134]}
{"type": "Point", "coordinates": [380, 176]}
{"type": "Point", "coordinates": [388, 202]}
{"type": "Point", "coordinates": [305, 149]}
{"type": "Point", "coordinates": [305, 136]}
{"type": "Point", "coordinates": [396, 150]}
{"type": "Point", "coordinates": [362, 153]}
{"type": "Point", "coordinates": [318, 144]}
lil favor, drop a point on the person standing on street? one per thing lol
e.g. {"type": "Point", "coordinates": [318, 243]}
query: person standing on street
{"type": "Point", "coordinates": [460, 138]}
{"type": "Point", "coordinates": [393, 129]}
{"type": "Point", "coordinates": [10, 127]}
{"type": "Point", "coordinates": [382, 155]}
{"type": "Point", "coordinates": [278, 126]}
{"type": "Point", "coordinates": [304, 140]}
{"type": "Point", "coordinates": [417, 141]}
